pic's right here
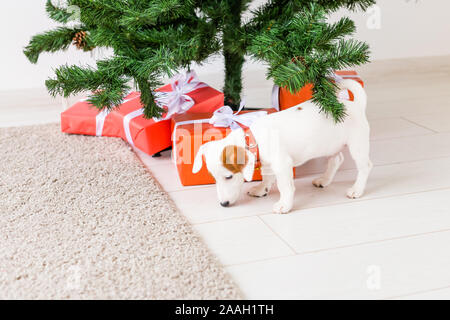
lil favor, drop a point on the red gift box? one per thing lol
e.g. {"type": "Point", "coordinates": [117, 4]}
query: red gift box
{"type": "Point", "coordinates": [127, 121]}
{"type": "Point", "coordinates": [190, 131]}
{"type": "Point", "coordinates": [283, 99]}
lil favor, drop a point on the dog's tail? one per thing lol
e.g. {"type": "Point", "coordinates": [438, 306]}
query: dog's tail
{"type": "Point", "coordinates": [358, 91]}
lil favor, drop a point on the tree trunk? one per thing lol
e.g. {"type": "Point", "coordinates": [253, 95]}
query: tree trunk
{"type": "Point", "coordinates": [234, 58]}
{"type": "Point", "coordinates": [233, 79]}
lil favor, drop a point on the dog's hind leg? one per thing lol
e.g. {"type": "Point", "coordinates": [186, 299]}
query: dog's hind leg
{"type": "Point", "coordinates": [334, 163]}
{"type": "Point", "coordinates": [359, 149]}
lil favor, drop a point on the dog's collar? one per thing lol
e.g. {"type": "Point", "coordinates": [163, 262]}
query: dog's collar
{"type": "Point", "coordinates": [250, 142]}
{"type": "Point", "coordinates": [252, 146]}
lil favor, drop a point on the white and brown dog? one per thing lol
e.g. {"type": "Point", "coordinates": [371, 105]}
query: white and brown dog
{"type": "Point", "coordinates": [287, 139]}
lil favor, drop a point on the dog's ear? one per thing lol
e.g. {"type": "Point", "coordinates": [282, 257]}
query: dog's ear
{"type": "Point", "coordinates": [249, 166]}
{"type": "Point", "coordinates": [198, 161]}
{"type": "Point", "coordinates": [237, 159]}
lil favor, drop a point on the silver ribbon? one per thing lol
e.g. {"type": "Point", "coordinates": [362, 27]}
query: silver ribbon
{"type": "Point", "coordinates": [126, 124]}
{"type": "Point", "coordinates": [226, 118]}
{"type": "Point", "coordinates": [101, 116]}
{"type": "Point", "coordinates": [100, 122]}
{"type": "Point", "coordinates": [178, 100]}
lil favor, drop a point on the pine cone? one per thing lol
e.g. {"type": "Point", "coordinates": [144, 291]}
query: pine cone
{"type": "Point", "coordinates": [300, 59]}
{"type": "Point", "coordinates": [79, 40]}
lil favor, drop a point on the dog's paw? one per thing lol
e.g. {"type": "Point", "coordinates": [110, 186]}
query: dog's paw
{"type": "Point", "coordinates": [353, 193]}
{"type": "Point", "coordinates": [258, 191]}
{"type": "Point", "coordinates": [281, 208]}
{"type": "Point", "coordinates": [320, 182]}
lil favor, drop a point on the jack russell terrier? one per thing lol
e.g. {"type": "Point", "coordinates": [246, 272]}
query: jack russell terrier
{"type": "Point", "coordinates": [288, 139]}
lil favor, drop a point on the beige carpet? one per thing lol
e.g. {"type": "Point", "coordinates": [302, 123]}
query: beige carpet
{"type": "Point", "coordinates": [81, 218]}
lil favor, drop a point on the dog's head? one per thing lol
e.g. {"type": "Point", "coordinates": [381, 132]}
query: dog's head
{"type": "Point", "coordinates": [229, 163]}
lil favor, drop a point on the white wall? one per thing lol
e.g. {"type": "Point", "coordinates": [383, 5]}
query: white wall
{"type": "Point", "coordinates": [408, 29]}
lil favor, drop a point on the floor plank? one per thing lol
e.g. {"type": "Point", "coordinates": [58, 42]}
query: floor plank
{"type": "Point", "coordinates": [374, 271]}
{"type": "Point", "coordinates": [437, 294]}
{"type": "Point", "coordinates": [243, 240]}
{"type": "Point", "coordinates": [438, 121]}
{"type": "Point", "coordinates": [363, 222]}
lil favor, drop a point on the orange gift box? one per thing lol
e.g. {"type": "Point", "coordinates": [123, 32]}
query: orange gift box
{"type": "Point", "coordinates": [282, 99]}
{"type": "Point", "coordinates": [190, 131]}
{"type": "Point", "coordinates": [127, 121]}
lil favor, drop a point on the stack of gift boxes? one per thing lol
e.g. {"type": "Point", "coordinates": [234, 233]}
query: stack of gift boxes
{"type": "Point", "coordinates": [194, 115]}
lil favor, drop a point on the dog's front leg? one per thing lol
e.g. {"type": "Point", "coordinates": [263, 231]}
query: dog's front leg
{"type": "Point", "coordinates": [263, 188]}
{"type": "Point", "coordinates": [285, 183]}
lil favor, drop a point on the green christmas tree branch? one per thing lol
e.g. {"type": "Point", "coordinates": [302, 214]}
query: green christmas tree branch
{"type": "Point", "coordinates": [57, 14]}
{"type": "Point", "coordinates": [157, 13]}
{"type": "Point", "coordinates": [73, 80]}
{"type": "Point", "coordinates": [50, 41]}
{"type": "Point", "coordinates": [306, 50]}
{"type": "Point", "coordinates": [324, 95]}
{"type": "Point", "coordinates": [151, 39]}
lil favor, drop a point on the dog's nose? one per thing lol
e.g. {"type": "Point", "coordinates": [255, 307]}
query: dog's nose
{"type": "Point", "coordinates": [225, 203]}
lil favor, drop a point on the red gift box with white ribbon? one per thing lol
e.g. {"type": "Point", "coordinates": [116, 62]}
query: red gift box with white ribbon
{"type": "Point", "coordinates": [185, 94]}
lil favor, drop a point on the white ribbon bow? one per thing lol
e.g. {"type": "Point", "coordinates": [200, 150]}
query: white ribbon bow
{"type": "Point", "coordinates": [178, 100]}
{"type": "Point", "coordinates": [224, 117]}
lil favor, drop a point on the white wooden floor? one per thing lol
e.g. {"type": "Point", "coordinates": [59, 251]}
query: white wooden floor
{"type": "Point", "coordinates": [394, 243]}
